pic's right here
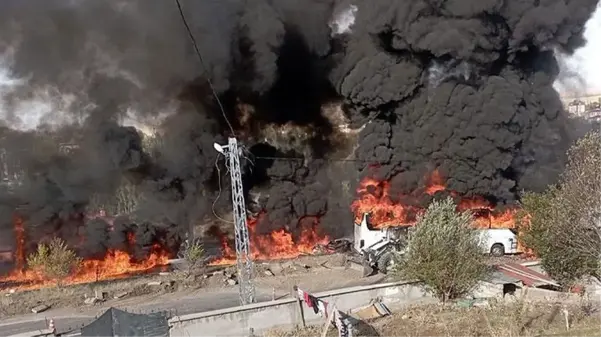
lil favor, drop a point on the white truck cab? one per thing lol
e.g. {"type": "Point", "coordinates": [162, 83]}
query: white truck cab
{"type": "Point", "coordinates": [378, 246]}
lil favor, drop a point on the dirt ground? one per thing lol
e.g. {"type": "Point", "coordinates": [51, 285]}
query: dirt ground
{"type": "Point", "coordinates": [313, 273]}
{"type": "Point", "coordinates": [515, 319]}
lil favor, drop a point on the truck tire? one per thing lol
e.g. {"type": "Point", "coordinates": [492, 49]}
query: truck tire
{"type": "Point", "coordinates": [384, 262]}
{"type": "Point", "coordinates": [497, 250]}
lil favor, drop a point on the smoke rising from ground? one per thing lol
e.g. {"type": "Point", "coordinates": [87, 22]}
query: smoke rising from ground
{"type": "Point", "coordinates": [463, 86]}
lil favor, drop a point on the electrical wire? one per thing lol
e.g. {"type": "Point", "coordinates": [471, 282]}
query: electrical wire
{"type": "Point", "coordinates": [193, 39]}
{"type": "Point", "coordinates": [219, 193]}
{"type": "Point", "coordinates": [303, 159]}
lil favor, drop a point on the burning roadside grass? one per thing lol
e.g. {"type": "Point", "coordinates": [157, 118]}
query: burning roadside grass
{"type": "Point", "coordinates": [116, 263]}
{"type": "Point", "coordinates": [279, 244]}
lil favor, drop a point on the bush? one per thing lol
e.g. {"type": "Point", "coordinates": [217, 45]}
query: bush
{"type": "Point", "coordinates": [193, 252]}
{"type": "Point", "coordinates": [444, 252]}
{"type": "Point", "coordinates": [54, 260]}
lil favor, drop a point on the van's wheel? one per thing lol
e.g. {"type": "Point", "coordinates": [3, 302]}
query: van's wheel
{"type": "Point", "coordinates": [385, 262]}
{"type": "Point", "coordinates": [497, 250]}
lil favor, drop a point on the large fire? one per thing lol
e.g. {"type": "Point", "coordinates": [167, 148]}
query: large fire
{"type": "Point", "coordinates": [279, 244]}
{"type": "Point", "coordinates": [387, 210]}
{"type": "Point", "coordinates": [115, 264]}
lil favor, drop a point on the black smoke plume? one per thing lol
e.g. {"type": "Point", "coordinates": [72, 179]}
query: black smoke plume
{"type": "Point", "coordinates": [463, 86]}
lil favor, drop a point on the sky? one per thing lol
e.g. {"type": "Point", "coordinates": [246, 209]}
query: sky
{"type": "Point", "coordinates": [585, 63]}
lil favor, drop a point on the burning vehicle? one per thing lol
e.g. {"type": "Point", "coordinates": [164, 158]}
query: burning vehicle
{"type": "Point", "coordinates": [378, 247]}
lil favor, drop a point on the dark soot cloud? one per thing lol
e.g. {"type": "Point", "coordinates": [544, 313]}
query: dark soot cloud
{"type": "Point", "coordinates": [464, 86]}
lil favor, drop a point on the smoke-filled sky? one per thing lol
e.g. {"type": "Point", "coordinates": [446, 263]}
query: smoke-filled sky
{"type": "Point", "coordinates": [464, 87]}
{"type": "Point", "coordinates": [581, 73]}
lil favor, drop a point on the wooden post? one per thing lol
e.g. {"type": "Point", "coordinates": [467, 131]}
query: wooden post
{"type": "Point", "coordinates": [326, 325]}
{"type": "Point", "coordinates": [300, 306]}
{"type": "Point", "coordinates": [566, 316]}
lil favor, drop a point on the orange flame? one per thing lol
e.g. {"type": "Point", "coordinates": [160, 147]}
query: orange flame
{"type": "Point", "coordinates": [276, 245]}
{"type": "Point", "coordinates": [385, 210]}
{"type": "Point", "coordinates": [115, 264]}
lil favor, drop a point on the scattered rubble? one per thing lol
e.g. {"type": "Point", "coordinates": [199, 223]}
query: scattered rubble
{"type": "Point", "coordinates": [231, 281]}
{"type": "Point", "coordinates": [154, 283]}
{"type": "Point", "coordinates": [91, 301]}
{"type": "Point", "coordinates": [269, 273]}
{"type": "Point", "coordinates": [120, 295]}
{"type": "Point", "coordinates": [40, 308]}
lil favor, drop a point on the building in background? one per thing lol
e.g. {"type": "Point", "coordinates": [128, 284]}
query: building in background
{"type": "Point", "coordinates": [586, 106]}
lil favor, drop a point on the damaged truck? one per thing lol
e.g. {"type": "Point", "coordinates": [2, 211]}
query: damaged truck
{"type": "Point", "coordinates": [378, 248]}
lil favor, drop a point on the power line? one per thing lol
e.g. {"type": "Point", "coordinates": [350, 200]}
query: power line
{"type": "Point", "coordinates": [183, 17]}
{"type": "Point", "coordinates": [324, 159]}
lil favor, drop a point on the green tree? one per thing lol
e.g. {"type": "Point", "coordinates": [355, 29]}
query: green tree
{"type": "Point", "coordinates": [444, 252]}
{"type": "Point", "coordinates": [562, 224]}
{"type": "Point", "coordinates": [54, 260]}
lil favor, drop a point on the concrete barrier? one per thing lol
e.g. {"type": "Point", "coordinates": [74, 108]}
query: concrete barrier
{"type": "Point", "coordinates": [35, 333]}
{"type": "Point", "coordinates": [239, 321]}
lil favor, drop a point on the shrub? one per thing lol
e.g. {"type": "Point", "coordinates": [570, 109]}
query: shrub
{"type": "Point", "coordinates": [194, 253]}
{"type": "Point", "coordinates": [444, 252]}
{"type": "Point", "coordinates": [54, 260]}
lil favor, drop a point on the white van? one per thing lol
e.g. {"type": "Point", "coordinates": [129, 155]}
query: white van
{"type": "Point", "coordinates": [499, 241]}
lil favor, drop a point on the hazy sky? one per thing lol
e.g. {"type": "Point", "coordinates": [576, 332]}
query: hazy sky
{"type": "Point", "coordinates": [586, 62]}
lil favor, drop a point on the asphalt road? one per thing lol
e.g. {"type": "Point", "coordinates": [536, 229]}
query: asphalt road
{"type": "Point", "coordinates": [69, 319]}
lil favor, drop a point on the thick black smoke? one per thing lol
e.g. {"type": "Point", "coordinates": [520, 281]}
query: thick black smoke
{"type": "Point", "coordinates": [464, 86]}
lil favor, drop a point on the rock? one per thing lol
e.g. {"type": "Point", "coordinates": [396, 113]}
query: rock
{"type": "Point", "coordinates": [405, 316]}
{"type": "Point", "coordinates": [231, 281]}
{"type": "Point", "coordinates": [101, 295]}
{"type": "Point", "coordinates": [154, 283]}
{"type": "Point", "coordinates": [164, 273]}
{"type": "Point", "coordinates": [288, 265]}
{"type": "Point", "coordinates": [39, 308]}
{"type": "Point", "coordinates": [269, 273]}
{"type": "Point", "coordinates": [205, 276]}
{"type": "Point", "coordinates": [91, 300]}
{"type": "Point", "coordinates": [121, 295]}
{"type": "Point", "coordinates": [219, 272]}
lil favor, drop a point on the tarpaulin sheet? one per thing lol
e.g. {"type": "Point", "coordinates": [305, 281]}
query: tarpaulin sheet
{"type": "Point", "coordinates": [115, 322]}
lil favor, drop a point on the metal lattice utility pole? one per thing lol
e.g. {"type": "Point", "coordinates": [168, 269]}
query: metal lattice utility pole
{"type": "Point", "coordinates": [242, 241]}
